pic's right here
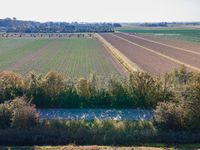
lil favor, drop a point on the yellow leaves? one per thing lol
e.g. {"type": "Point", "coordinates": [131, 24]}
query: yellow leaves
{"type": "Point", "coordinates": [82, 87]}
{"type": "Point", "coordinates": [55, 80]}
{"type": "Point", "coordinates": [9, 79]}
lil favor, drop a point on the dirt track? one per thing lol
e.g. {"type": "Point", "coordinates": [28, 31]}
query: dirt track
{"type": "Point", "coordinates": [152, 60]}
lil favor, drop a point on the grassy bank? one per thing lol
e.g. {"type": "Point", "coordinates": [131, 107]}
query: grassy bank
{"type": "Point", "coordinates": [118, 133]}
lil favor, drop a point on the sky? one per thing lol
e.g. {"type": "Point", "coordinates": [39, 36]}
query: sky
{"type": "Point", "coordinates": [102, 10]}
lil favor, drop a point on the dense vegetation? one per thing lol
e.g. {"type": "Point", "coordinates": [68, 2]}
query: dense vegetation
{"type": "Point", "coordinates": [184, 34]}
{"type": "Point", "coordinates": [62, 132]}
{"type": "Point", "coordinates": [20, 125]}
{"type": "Point", "coordinates": [177, 118]}
{"type": "Point", "coordinates": [19, 26]}
{"type": "Point", "coordinates": [59, 91]}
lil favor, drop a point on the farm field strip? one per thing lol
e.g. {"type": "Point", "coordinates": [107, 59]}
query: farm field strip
{"type": "Point", "coordinates": [123, 60]}
{"type": "Point", "coordinates": [12, 50]}
{"type": "Point", "coordinates": [22, 64]}
{"type": "Point", "coordinates": [193, 46]}
{"type": "Point", "coordinates": [159, 53]}
{"type": "Point", "coordinates": [185, 34]}
{"type": "Point", "coordinates": [167, 45]}
{"type": "Point", "coordinates": [75, 57]}
{"type": "Point", "coordinates": [147, 61]}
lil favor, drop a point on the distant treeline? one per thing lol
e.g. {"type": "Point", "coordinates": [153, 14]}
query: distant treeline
{"type": "Point", "coordinates": [18, 26]}
{"type": "Point", "coordinates": [168, 24]}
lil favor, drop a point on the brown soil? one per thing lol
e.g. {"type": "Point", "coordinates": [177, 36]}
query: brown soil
{"type": "Point", "coordinates": [146, 60]}
{"type": "Point", "coordinates": [174, 42]}
{"type": "Point", "coordinates": [186, 57]}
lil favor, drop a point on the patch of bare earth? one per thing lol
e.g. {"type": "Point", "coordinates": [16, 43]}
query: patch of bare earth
{"type": "Point", "coordinates": [147, 61]}
{"type": "Point", "coordinates": [174, 42]}
{"type": "Point", "coordinates": [183, 56]}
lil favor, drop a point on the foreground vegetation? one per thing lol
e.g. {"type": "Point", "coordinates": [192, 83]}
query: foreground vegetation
{"type": "Point", "coordinates": [74, 57]}
{"type": "Point", "coordinates": [55, 90]}
{"type": "Point", "coordinates": [123, 133]}
{"type": "Point", "coordinates": [189, 34]}
{"type": "Point", "coordinates": [142, 90]}
{"type": "Point", "coordinates": [176, 102]}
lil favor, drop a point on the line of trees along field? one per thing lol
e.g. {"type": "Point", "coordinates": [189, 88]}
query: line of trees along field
{"type": "Point", "coordinates": [19, 26]}
{"type": "Point", "coordinates": [58, 91]}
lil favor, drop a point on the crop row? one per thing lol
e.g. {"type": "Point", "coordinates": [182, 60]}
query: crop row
{"type": "Point", "coordinates": [74, 57]}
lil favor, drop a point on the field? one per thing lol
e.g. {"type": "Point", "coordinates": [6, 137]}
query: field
{"type": "Point", "coordinates": [72, 56]}
{"type": "Point", "coordinates": [189, 34]}
{"type": "Point", "coordinates": [156, 55]}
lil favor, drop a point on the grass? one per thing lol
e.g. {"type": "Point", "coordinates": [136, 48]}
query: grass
{"type": "Point", "coordinates": [188, 34]}
{"type": "Point", "coordinates": [98, 132]}
{"type": "Point", "coordinates": [74, 57]}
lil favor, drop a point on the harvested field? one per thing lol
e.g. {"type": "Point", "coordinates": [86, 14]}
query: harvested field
{"type": "Point", "coordinates": [75, 57]}
{"type": "Point", "coordinates": [153, 57]}
{"type": "Point", "coordinates": [173, 42]}
{"type": "Point", "coordinates": [183, 33]}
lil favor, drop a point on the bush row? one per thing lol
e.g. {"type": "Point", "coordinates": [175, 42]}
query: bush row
{"type": "Point", "coordinates": [94, 133]}
{"type": "Point", "coordinates": [56, 90]}
{"type": "Point", "coordinates": [181, 113]}
{"type": "Point", "coordinates": [18, 113]}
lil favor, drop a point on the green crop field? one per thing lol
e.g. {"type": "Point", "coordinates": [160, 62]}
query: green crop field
{"type": "Point", "coordinates": [74, 57]}
{"type": "Point", "coordinates": [189, 34]}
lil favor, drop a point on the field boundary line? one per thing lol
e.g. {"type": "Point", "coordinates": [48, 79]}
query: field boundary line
{"type": "Point", "coordinates": [158, 53]}
{"type": "Point", "coordinates": [122, 59]}
{"type": "Point", "coordinates": [167, 45]}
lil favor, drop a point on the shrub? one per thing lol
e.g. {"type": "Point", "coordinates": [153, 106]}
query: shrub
{"type": "Point", "coordinates": [11, 85]}
{"type": "Point", "coordinates": [25, 117]}
{"type": "Point", "coordinates": [119, 94]}
{"type": "Point", "coordinates": [170, 115]}
{"type": "Point", "coordinates": [181, 76]}
{"type": "Point", "coordinates": [147, 90]}
{"type": "Point", "coordinates": [35, 88]}
{"type": "Point", "coordinates": [82, 87]}
{"type": "Point", "coordinates": [5, 116]}
{"type": "Point", "coordinates": [18, 113]}
{"type": "Point", "coordinates": [192, 100]}
{"type": "Point", "coordinates": [55, 83]}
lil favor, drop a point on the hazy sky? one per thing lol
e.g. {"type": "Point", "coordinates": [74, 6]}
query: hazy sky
{"type": "Point", "coordinates": [102, 10]}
